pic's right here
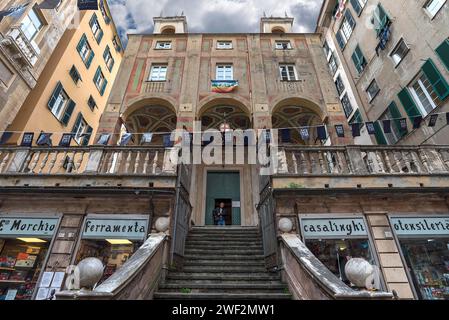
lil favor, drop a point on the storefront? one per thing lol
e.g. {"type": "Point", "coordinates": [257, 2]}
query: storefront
{"type": "Point", "coordinates": [335, 240]}
{"type": "Point", "coordinates": [24, 246]}
{"type": "Point", "coordinates": [112, 239]}
{"type": "Point", "coordinates": [424, 244]}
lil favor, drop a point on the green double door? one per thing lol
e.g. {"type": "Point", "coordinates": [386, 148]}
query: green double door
{"type": "Point", "coordinates": [223, 187]}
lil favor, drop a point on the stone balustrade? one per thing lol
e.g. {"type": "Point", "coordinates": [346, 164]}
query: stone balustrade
{"type": "Point", "coordinates": [27, 50]}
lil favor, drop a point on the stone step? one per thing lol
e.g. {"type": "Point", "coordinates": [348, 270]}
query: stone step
{"type": "Point", "coordinates": [223, 257]}
{"type": "Point", "coordinates": [205, 285]}
{"type": "Point", "coordinates": [224, 252]}
{"type": "Point", "coordinates": [218, 263]}
{"type": "Point", "coordinates": [221, 296]}
{"type": "Point", "coordinates": [217, 276]}
{"type": "Point", "coordinates": [219, 244]}
{"type": "Point", "coordinates": [239, 238]}
{"type": "Point", "coordinates": [223, 282]}
{"type": "Point", "coordinates": [224, 269]}
{"type": "Point", "coordinates": [228, 229]}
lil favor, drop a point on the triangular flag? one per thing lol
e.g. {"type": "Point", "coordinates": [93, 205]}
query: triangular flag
{"type": "Point", "coordinates": [304, 132]}
{"type": "Point", "coordinates": [403, 124]}
{"type": "Point", "coordinates": [417, 122]}
{"type": "Point", "coordinates": [5, 137]}
{"type": "Point", "coordinates": [126, 138]}
{"type": "Point", "coordinates": [433, 120]}
{"type": "Point", "coordinates": [104, 139]}
{"type": "Point", "coordinates": [44, 139]}
{"type": "Point", "coordinates": [321, 132]}
{"type": "Point", "coordinates": [146, 138]}
{"type": "Point", "coordinates": [285, 135]}
{"type": "Point", "coordinates": [387, 126]}
{"type": "Point", "coordinates": [27, 139]}
{"type": "Point", "coordinates": [66, 140]}
{"type": "Point", "coordinates": [340, 130]}
{"type": "Point", "coordinates": [355, 129]}
{"type": "Point", "coordinates": [370, 127]}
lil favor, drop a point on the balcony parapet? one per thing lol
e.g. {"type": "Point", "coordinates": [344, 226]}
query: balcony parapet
{"type": "Point", "coordinates": [25, 51]}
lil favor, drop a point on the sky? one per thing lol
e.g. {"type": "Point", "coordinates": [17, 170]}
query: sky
{"type": "Point", "coordinates": [212, 16]}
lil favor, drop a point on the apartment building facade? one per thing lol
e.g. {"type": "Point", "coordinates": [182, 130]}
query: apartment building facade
{"type": "Point", "coordinates": [395, 55]}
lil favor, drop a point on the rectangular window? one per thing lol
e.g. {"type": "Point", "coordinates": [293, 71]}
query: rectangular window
{"type": "Point", "coordinates": [372, 90]}
{"type": "Point", "coordinates": [163, 45]}
{"type": "Point", "coordinates": [347, 106]}
{"type": "Point", "coordinates": [85, 51]}
{"type": "Point", "coordinates": [224, 45]}
{"type": "Point", "coordinates": [61, 102]}
{"type": "Point", "coordinates": [31, 24]}
{"type": "Point", "coordinates": [91, 103]}
{"type": "Point", "coordinates": [394, 136]}
{"type": "Point", "coordinates": [224, 72]}
{"type": "Point", "coordinates": [339, 85]}
{"type": "Point", "coordinates": [108, 59]}
{"type": "Point", "coordinates": [425, 97]}
{"type": "Point", "coordinates": [158, 72]}
{"type": "Point", "coordinates": [106, 18]}
{"type": "Point", "coordinates": [327, 50]}
{"type": "Point", "coordinates": [333, 64]}
{"type": "Point", "coordinates": [100, 81]}
{"type": "Point", "coordinates": [283, 45]}
{"type": "Point", "coordinates": [346, 29]}
{"type": "Point", "coordinates": [433, 7]}
{"type": "Point", "coordinates": [359, 60]}
{"type": "Point", "coordinates": [357, 118]}
{"type": "Point", "coordinates": [381, 18]}
{"type": "Point", "coordinates": [96, 29]}
{"type": "Point", "coordinates": [81, 130]}
{"type": "Point", "coordinates": [116, 44]}
{"type": "Point", "coordinates": [61, 105]}
{"type": "Point", "coordinates": [399, 52]}
{"type": "Point", "coordinates": [358, 5]}
{"type": "Point", "coordinates": [288, 72]}
{"type": "Point", "coordinates": [75, 75]}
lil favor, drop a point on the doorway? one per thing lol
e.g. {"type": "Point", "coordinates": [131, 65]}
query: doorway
{"type": "Point", "coordinates": [223, 187]}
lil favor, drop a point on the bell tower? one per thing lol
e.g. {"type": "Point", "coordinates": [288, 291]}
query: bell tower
{"type": "Point", "coordinates": [276, 24]}
{"type": "Point", "coordinates": [170, 25]}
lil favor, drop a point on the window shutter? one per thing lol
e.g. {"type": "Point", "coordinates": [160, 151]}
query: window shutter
{"type": "Point", "coordinates": [350, 19]}
{"type": "Point", "coordinates": [87, 136]}
{"type": "Point", "coordinates": [103, 87]}
{"type": "Point", "coordinates": [380, 138]}
{"type": "Point", "coordinates": [396, 114]}
{"type": "Point", "coordinates": [81, 43]}
{"type": "Point", "coordinates": [356, 6]}
{"type": "Point", "coordinates": [92, 20]}
{"type": "Point", "coordinates": [77, 124]}
{"type": "Point", "coordinates": [112, 65]}
{"type": "Point", "coordinates": [409, 105]}
{"type": "Point", "coordinates": [97, 74]}
{"type": "Point", "coordinates": [106, 51]}
{"type": "Point", "coordinates": [340, 40]}
{"type": "Point", "coordinates": [89, 59]}
{"type": "Point", "coordinates": [443, 53]}
{"type": "Point", "coordinates": [439, 84]}
{"type": "Point", "coordinates": [54, 95]}
{"type": "Point", "coordinates": [100, 36]}
{"type": "Point", "coordinates": [68, 112]}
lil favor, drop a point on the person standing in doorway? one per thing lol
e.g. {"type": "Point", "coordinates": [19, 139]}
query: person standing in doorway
{"type": "Point", "coordinates": [220, 214]}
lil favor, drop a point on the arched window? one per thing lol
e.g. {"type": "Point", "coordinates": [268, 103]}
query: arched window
{"type": "Point", "coordinates": [278, 30]}
{"type": "Point", "coordinates": [168, 30]}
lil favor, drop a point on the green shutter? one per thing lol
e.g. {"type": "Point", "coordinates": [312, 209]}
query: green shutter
{"type": "Point", "coordinates": [103, 87]}
{"type": "Point", "coordinates": [90, 58]}
{"type": "Point", "coordinates": [77, 124]}
{"type": "Point", "coordinates": [439, 84]}
{"type": "Point", "coordinates": [100, 36]}
{"type": "Point", "coordinates": [356, 6]}
{"type": "Point", "coordinates": [54, 95]}
{"type": "Point", "coordinates": [68, 112]}
{"type": "Point", "coordinates": [409, 105]}
{"type": "Point", "coordinates": [106, 51]}
{"type": "Point", "coordinates": [443, 52]}
{"type": "Point", "coordinates": [92, 20]}
{"type": "Point", "coordinates": [358, 59]}
{"type": "Point", "coordinates": [82, 43]}
{"type": "Point", "coordinates": [87, 136]}
{"type": "Point", "coordinates": [396, 114]}
{"type": "Point", "coordinates": [380, 138]}
{"type": "Point", "coordinates": [97, 74]}
{"type": "Point", "coordinates": [112, 65]}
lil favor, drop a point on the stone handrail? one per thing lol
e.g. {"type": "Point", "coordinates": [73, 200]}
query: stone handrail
{"type": "Point", "coordinates": [309, 279]}
{"type": "Point", "coordinates": [364, 160]}
{"type": "Point", "coordinates": [29, 50]}
{"type": "Point", "coordinates": [137, 279]}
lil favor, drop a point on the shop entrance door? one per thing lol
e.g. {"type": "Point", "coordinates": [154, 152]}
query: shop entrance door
{"type": "Point", "coordinates": [223, 187]}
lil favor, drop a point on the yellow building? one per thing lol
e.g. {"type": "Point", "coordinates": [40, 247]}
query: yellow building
{"type": "Point", "coordinates": [72, 91]}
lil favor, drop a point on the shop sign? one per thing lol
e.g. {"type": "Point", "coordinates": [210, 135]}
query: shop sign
{"type": "Point", "coordinates": [418, 226]}
{"type": "Point", "coordinates": [333, 227]}
{"type": "Point", "coordinates": [29, 227]}
{"type": "Point", "coordinates": [102, 228]}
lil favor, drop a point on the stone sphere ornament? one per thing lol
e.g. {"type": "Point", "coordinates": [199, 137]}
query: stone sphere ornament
{"type": "Point", "coordinates": [162, 224]}
{"type": "Point", "coordinates": [362, 274]}
{"type": "Point", "coordinates": [90, 272]}
{"type": "Point", "coordinates": [285, 225]}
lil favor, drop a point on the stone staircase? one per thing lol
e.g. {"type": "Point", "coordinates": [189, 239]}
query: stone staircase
{"type": "Point", "coordinates": [223, 263]}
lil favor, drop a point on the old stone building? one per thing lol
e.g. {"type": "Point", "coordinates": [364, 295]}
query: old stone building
{"type": "Point", "coordinates": [288, 233]}
{"type": "Point", "coordinates": [393, 58]}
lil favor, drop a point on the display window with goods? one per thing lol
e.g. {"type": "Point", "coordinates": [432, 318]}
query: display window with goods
{"type": "Point", "coordinates": [24, 247]}
{"type": "Point", "coordinates": [424, 246]}
{"type": "Point", "coordinates": [336, 240]}
{"type": "Point", "coordinates": [112, 239]}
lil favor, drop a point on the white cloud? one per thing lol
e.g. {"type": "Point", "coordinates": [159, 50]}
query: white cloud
{"type": "Point", "coordinates": [133, 16]}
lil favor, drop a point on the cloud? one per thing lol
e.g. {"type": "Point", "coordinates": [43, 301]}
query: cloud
{"type": "Point", "coordinates": [136, 16]}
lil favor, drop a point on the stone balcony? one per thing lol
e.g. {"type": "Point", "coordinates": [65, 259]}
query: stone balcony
{"type": "Point", "coordinates": [24, 51]}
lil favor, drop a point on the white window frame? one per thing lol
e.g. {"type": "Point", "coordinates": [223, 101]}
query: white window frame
{"type": "Point", "coordinates": [224, 45]}
{"type": "Point", "coordinates": [224, 72]}
{"type": "Point", "coordinates": [279, 45]}
{"type": "Point", "coordinates": [108, 60]}
{"type": "Point", "coordinates": [28, 23]}
{"type": "Point", "coordinates": [60, 104]}
{"type": "Point", "coordinates": [85, 51]}
{"type": "Point", "coordinates": [415, 96]}
{"type": "Point", "coordinates": [81, 130]}
{"type": "Point", "coordinates": [158, 73]}
{"type": "Point", "coordinates": [100, 80]}
{"type": "Point", "coordinates": [163, 45]}
{"type": "Point", "coordinates": [373, 95]}
{"type": "Point", "coordinates": [286, 66]}
{"type": "Point", "coordinates": [95, 28]}
{"type": "Point", "coordinates": [396, 49]}
{"type": "Point", "coordinates": [432, 7]}
{"type": "Point", "coordinates": [393, 137]}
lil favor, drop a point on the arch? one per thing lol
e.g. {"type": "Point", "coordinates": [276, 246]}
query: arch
{"type": "Point", "coordinates": [217, 110]}
{"type": "Point", "coordinates": [277, 29]}
{"type": "Point", "coordinates": [303, 102]}
{"type": "Point", "coordinates": [213, 101]}
{"type": "Point", "coordinates": [168, 30]}
{"type": "Point", "coordinates": [148, 99]}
